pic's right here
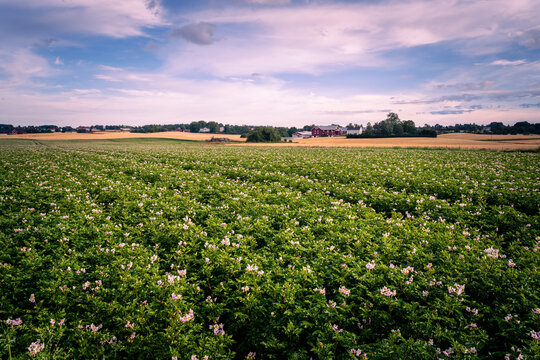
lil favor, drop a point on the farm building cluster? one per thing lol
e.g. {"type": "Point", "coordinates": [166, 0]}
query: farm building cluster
{"type": "Point", "coordinates": [331, 130]}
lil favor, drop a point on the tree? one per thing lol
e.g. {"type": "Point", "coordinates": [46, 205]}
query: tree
{"type": "Point", "coordinates": [263, 134]}
{"type": "Point", "coordinates": [236, 129]}
{"type": "Point", "coordinates": [213, 126]}
{"type": "Point", "coordinates": [474, 128]}
{"type": "Point", "coordinates": [291, 131]}
{"type": "Point", "coordinates": [369, 130]}
{"type": "Point", "coordinates": [282, 131]}
{"type": "Point", "coordinates": [378, 129]}
{"type": "Point", "coordinates": [523, 127]}
{"type": "Point", "coordinates": [398, 129]}
{"type": "Point", "coordinates": [196, 126]}
{"type": "Point", "coordinates": [388, 125]}
{"type": "Point", "coordinates": [428, 132]}
{"type": "Point", "coordinates": [409, 127]}
{"type": "Point", "coordinates": [392, 118]}
{"type": "Point", "coordinates": [6, 128]}
{"type": "Point", "coordinates": [498, 128]}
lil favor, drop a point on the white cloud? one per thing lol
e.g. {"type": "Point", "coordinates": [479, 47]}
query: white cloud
{"type": "Point", "coordinates": [107, 78]}
{"type": "Point", "coordinates": [120, 75]}
{"type": "Point", "coordinates": [86, 91]}
{"type": "Point", "coordinates": [28, 24]}
{"type": "Point", "coordinates": [110, 68]}
{"type": "Point", "coordinates": [508, 62]}
{"type": "Point", "coordinates": [21, 67]}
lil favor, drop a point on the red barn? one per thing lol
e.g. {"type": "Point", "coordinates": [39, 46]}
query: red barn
{"type": "Point", "coordinates": [332, 130]}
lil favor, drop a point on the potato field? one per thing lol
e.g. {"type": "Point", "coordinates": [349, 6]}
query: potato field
{"type": "Point", "coordinates": [166, 249]}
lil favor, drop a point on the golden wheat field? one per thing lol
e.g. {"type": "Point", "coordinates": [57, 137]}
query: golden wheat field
{"type": "Point", "coordinates": [454, 140]}
{"type": "Point", "coordinates": [123, 135]}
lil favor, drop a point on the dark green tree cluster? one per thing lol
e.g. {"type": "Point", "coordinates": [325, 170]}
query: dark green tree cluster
{"type": "Point", "coordinates": [6, 128]}
{"type": "Point", "coordinates": [393, 126]}
{"type": "Point", "coordinates": [115, 127]}
{"type": "Point", "coordinates": [263, 134]}
{"type": "Point", "coordinates": [236, 129]}
{"type": "Point", "coordinates": [148, 129]}
{"type": "Point", "coordinates": [196, 126]}
{"type": "Point", "coordinates": [31, 129]}
{"type": "Point", "coordinates": [498, 128]}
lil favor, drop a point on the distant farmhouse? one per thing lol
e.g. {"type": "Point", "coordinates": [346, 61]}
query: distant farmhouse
{"type": "Point", "coordinates": [204, 130]}
{"type": "Point", "coordinates": [354, 130]}
{"type": "Point", "coordinates": [331, 130]}
{"type": "Point", "coordinates": [83, 129]}
{"type": "Point", "coordinates": [302, 134]}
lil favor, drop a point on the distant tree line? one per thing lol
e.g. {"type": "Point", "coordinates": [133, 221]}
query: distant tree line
{"type": "Point", "coordinates": [393, 126]}
{"type": "Point", "coordinates": [214, 128]}
{"type": "Point", "coordinates": [498, 128]}
{"type": "Point", "coordinates": [194, 127]}
{"type": "Point", "coordinates": [7, 129]}
{"type": "Point", "coordinates": [31, 129]}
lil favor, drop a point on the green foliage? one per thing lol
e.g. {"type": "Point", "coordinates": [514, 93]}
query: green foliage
{"type": "Point", "coordinates": [164, 249]}
{"type": "Point", "coordinates": [196, 126]}
{"type": "Point", "coordinates": [394, 127]}
{"type": "Point", "coordinates": [213, 126]}
{"type": "Point", "coordinates": [428, 133]}
{"type": "Point", "coordinates": [291, 131]}
{"type": "Point", "coordinates": [263, 134]}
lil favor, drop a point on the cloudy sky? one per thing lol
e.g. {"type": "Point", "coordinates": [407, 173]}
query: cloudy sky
{"type": "Point", "coordinates": [274, 62]}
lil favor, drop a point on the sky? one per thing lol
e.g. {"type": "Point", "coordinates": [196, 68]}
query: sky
{"type": "Point", "coordinates": [268, 62]}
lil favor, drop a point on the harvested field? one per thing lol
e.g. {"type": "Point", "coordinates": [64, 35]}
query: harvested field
{"type": "Point", "coordinates": [463, 141]}
{"type": "Point", "coordinates": [124, 135]}
{"type": "Point", "coordinates": [456, 140]}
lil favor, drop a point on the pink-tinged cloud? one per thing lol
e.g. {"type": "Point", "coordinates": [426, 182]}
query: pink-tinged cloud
{"type": "Point", "coordinates": [163, 99]}
{"type": "Point", "coordinates": [21, 66]}
{"type": "Point", "coordinates": [328, 37]}
{"type": "Point", "coordinates": [102, 17]}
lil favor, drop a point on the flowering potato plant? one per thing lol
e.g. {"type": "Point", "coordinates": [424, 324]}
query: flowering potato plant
{"type": "Point", "coordinates": [166, 250]}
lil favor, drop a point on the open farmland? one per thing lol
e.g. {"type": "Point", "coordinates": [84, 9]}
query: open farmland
{"type": "Point", "coordinates": [156, 249]}
{"type": "Point", "coordinates": [450, 141]}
